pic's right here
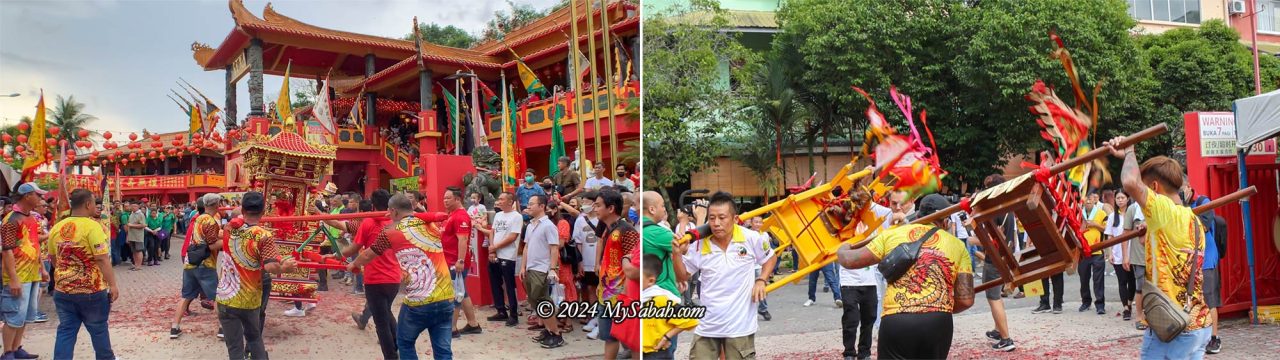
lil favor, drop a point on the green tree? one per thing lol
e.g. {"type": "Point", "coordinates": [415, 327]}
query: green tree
{"type": "Point", "coordinates": [686, 104]}
{"type": "Point", "coordinates": [968, 64]}
{"type": "Point", "coordinates": [304, 94]}
{"type": "Point", "coordinates": [756, 149]}
{"type": "Point", "coordinates": [505, 21]}
{"type": "Point", "coordinates": [450, 35]}
{"type": "Point", "coordinates": [68, 114]}
{"type": "Point", "coordinates": [781, 110]}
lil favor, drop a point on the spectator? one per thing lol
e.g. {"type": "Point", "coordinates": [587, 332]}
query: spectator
{"type": "Point", "coordinates": [505, 233]}
{"type": "Point", "coordinates": [598, 181]}
{"type": "Point", "coordinates": [566, 179]}
{"type": "Point", "coordinates": [1092, 266]}
{"type": "Point", "coordinates": [542, 267]}
{"type": "Point", "coordinates": [527, 190]}
{"type": "Point", "coordinates": [620, 173]}
{"type": "Point", "coordinates": [23, 270]}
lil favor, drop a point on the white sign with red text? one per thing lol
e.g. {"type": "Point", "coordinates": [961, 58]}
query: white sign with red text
{"type": "Point", "coordinates": [1218, 137]}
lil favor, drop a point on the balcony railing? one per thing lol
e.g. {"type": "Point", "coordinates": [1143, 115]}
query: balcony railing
{"type": "Point", "coordinates": [538, 116]}
{"type": "Point", "coordinates": [167, 182]}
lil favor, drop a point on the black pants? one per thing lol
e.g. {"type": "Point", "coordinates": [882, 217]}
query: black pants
{"type": "Point", "coordinates": [378, 298]}
{"type": "Point", "coordinates": [858, 319]}
{"type": "Point", "coordinates": [243, 331]}
{"type": "Point", "coordinates": [1092, 268]}
{"type": "Point", "coordinates": [915, 336]}
{"type": "Point", "coordinates": [266, 295]}
{"type": "Point", "coordinates": [152, 245]}
{"type": "Point", "coordinates": [164, 245]}
{"type": "Point", "coordinates": [1127, 284]}
{"type": "Point", "coordinates": [502, 280]}
{"type": "Point", "coordinates": [1056, 279]}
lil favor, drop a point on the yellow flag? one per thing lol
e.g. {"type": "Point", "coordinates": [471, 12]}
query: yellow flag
{"type": "Point", "coordinates": [283, 110]}
{"type": "Point", "coordinates": [197, 124]}
{"type": "Point", "coordinates": [35, 142]}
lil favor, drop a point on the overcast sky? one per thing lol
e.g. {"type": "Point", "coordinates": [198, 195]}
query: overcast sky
{"type": "Point", "coordinates": [121, 57]}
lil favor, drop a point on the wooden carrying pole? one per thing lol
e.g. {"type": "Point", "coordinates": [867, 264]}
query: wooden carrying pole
{"type": "Point", "coordinates": [576, 87]}
{"type": "Point", "coordinates": [608, 84]}
{"type": "Point", "coordinates": [591, 88]}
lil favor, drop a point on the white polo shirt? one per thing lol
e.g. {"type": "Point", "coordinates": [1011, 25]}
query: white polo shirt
{"type": "Point", "coordinates": [727, 279]}
{"type": "Point", "coordinates": [866, 276]}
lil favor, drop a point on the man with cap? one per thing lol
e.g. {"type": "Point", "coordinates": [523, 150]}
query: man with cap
{"type": "Point", "coordinates": [916, 322]}
{"type": "Point", "coordinates": [22, 269]}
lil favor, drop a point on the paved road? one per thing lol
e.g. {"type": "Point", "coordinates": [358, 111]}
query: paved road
{"type": "Point", "coordinates": [140, 327]}
{"type": "Point", "coordinates": [798, 332]}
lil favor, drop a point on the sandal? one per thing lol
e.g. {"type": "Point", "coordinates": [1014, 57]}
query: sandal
{"type": "Point", "coordinates": [1141, 325]}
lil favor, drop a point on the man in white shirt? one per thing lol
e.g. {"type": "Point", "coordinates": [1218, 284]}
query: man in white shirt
{"type": "Point", "coordinates": [541, 266]}
{"type": "Point", "coordinates": [729, 289]}
{"type": "Point", "coordinates": [858, 291]}
{"type": "Point", "coordinates": [584, 235]}
{"type": "Point", "coordinates": [598, 181]}
{"type": "Point", "coordinates": [505, 235]}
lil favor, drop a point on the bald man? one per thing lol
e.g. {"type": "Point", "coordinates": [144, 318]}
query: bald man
{"type": "Point", "coordinates": [657, 239]}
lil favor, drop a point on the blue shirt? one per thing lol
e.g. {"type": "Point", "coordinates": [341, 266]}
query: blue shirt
{"type": "Point", "coordinates": [524, 193]}
{"type": "Point", "coordinates": [1210, 246]}
{"type": "Point", "coordinates": [633, 216]}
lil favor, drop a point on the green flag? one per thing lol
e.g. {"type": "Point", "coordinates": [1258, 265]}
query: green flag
{"type": "Point", "coordinates": [452, 104]}
{"type": "Point", "coordinates": [557, 138]}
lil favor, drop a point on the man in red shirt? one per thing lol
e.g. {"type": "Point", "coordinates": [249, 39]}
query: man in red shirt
{"type": "Point", "coordinates": [456, 243]}
{"type": "Point", "coordinates": [381, 278]}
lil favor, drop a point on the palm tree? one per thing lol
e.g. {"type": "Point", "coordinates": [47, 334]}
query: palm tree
{"type": "Point", "coordinates": [68, 114]}
{"type": "Point", "coordinates": [756, 151]}
{"type": "Point", "coordinates": [779, 107]}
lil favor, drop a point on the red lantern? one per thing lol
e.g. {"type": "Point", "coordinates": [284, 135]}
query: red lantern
{"type": "Point", "coordinates": [54, 130]}
{"type": "Point", "coordinates": [176, 142]}
{"type": "Point", "coordinates": [197, 136]}
{"type": "Point", "coordinates": [106, 135]}
{"type": "Point", "coordinates": [233, 133]}
{"type": "Point", "coordinates": [155, 137]}
{"type": "Point", "coordinates": [95, 153]}
{"type": "Point", "coordinates": [133, 137]}
{"type": "Point", "coordinates": [71, 153]}
{"type": "Point", "coordinates": [50, 142]}
{"type": "Point", "coordinates": [6, 137]}
{"type": "Point", "coordinates": [111, 157]}
{"type": "Point", "coordinates": [62, 142]}
{"type": "Point", "coordinates": [179, 136]}
{"type": "Point", "coordinates": [133, 156]}
{"type": "Point", "coordinates": [22, 138]}
{"type": "Point", "coordinates": [152, 153]}
{"type": "Point", "coordinates": [83, 133]}
{"type": "Point", "coordinates": [85, 163]}
{"type": "Point", "coordinates": [20, 149]}
{"type": "Point", "coordinates": [23, 127]}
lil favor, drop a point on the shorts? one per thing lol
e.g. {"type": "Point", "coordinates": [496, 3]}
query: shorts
{"type": "Point", "coordinates": [19, 310]}
{"type": "Point", "coordinates": [989, 273]}
{"type": "Point", "coordinates": [603, 326]}
{"type": "Point", "coordinates": [135, 246]}
{"type": "Point", "coordinates": [198, 280]}
{"type": "Point", "coordinates": [1212, 289]}
{"type": "Point", "coordinates": [589, 278]}
{"type": "Point", "coordinates": [1139, 278]}
{"type": "Point", "coordinates": [536, 287]}
{"type": "Point", "coordinates": [459, 287]}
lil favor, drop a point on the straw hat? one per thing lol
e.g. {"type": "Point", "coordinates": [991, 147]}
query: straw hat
{"type": "Point", "coordinates": [329, 189]}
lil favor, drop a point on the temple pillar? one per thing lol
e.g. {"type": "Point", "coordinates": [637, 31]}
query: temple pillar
{"type": "Point", "coordinates": [372, 179]}
{"type": "Point", "coordinates": [425, 94]}
{"type": "Point", "coordinates": [229, 105]}
{"type": "Point", "coordinates": [370, 101]}
{"type": "Point", "coordinates": [255, 78]}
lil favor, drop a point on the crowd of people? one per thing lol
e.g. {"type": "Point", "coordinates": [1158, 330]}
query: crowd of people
{"type": "Point", "coordinates": [910, 300]}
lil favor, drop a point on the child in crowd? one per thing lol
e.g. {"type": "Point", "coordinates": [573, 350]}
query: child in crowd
{"type": "Point", "coordinates": [658, 333]}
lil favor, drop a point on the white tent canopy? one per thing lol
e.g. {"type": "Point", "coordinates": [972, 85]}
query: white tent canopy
{"type": "Point", "coordinates": [1257, 118]}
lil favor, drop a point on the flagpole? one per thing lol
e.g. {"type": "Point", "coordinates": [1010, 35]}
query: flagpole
{"type": "Point", "coordinates": [591, 90]}
{"type": "Point", "coordinates": [457, 88]}
{"type": "Point", "coordinates": [608, 82]}
{"type": "Point", "coordinates": [576, 87]}
{"type": "Point", "coordinates": [503, 147]}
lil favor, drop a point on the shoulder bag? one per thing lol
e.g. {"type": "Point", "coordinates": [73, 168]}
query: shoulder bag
{"type": "Point", "coordinates": [1162, 313]}
{"type": "Point", "coordinates": [895, 264]}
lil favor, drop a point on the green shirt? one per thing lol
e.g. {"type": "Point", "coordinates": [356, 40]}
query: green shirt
{"type": "Point", "coordinates": [657, 241]}
{"type": "Point", "coordinates": [167, 221]}
{"type": "Point", "coordinates": [154, 221]}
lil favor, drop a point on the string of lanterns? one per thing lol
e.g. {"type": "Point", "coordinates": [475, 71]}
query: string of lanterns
{"type": "Point", "coordinates": [138, 148]}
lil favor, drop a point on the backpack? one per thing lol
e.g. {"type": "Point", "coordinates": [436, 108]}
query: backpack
{"type": "Point", "coordinates": [1216, 226]}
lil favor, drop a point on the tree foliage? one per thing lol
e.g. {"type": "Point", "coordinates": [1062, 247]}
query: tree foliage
{"type": "Point", "coordinates": [967, 65]}
{"type": "Point", "coordinates": [68, 114]}
{"type": "Point", "coordinates": [687, 105]}
{"type": "Point", "coordinates": [449, 35]}
{"type": "Point", "coordinates": [506, 20]}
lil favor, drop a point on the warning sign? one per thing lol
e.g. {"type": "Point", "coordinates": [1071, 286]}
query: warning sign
{"type": "Point", "coordinates": [1218, 137]}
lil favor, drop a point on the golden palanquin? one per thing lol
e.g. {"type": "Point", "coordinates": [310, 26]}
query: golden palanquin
{"type": "Point", "coordinates": [285, 168]}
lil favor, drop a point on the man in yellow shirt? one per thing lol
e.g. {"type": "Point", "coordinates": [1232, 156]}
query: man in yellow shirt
{"type": "Point", "coordinates": [86, 284]}
{"type": "Point", "coordinates": [916, 322]}
{"type": "Point", "coordinates": [1092, 266]}
{"type": "Point", "coordinates": [1174, 249]}
{"type": "Point", "coordinates": [22, 269]}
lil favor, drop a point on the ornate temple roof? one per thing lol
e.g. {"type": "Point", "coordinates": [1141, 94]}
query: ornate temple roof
{"type": "Point", "coordinates": [290, 143]}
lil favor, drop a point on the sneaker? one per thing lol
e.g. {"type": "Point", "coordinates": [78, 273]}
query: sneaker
{"type": "Point", "coordinates": [594, 334]}
{"type": "Point", "coordinates": [1084, 307]}
{"type": "Point", "coordinates": [994, 335]}
{"type": "Point", "coordinates": [1102, 311]}
{"type": "Point", "coordinates": [1040, 310]}
{"type": "Point", "coordinates": [1214, 347]}
{"type": "Point", "coordinates": [206, 304]}
{"type": "Point", "coordinates": [500, 316]}
{"type": "Point", "coordinates": [359, 324]}
{"type": "Point", "coordinates": [174, 333]}
{"type": "Point", "coordinates": [1004, 345]}
{"type": "Point", "coordinates": [308, 306]}
{"type": "Point", "coordinates": [8, 355]}
{"type": "Point", "coordinates": [542, 335]}
{"type": "Point", "coordinates": [41, 317]}
{"type": "Point", "coordinates": [513, 321]}
{"type": "Point", "coordinates": [839, 304]}
{"type": "Point", "coordinates": [552, 342]}
{"type": "Point", "coordinates": [357, 292]}
{"type": "Point", "coordinates": [1057, 309]}
{"type": "Point", "coordinates": [220, 335]}
{"type": "Point", "coordinates": [766, 315]}
{"type": "Point", "coordinates": [468, 330]}
{"type": "Point", "coordinates": [23, 354]}
{"type": "Point", "coordinates": [295, 312]}
{"type": "Point", "coordinates": [808, 303]}
{"type": "Point", "coordinates": [590, 326]}
{"type": "Point", "coordinates": [1127, 314]}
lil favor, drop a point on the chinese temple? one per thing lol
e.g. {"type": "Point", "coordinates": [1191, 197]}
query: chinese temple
{"type": "Point", "coordinates": [163, 168]}
{"type": "Point", "coordinates": [397, 136]}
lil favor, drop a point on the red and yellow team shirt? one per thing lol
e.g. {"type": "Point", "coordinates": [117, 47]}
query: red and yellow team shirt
{"type": "Point", "coordinates": [204, 228]}
{"type": "Point", "coordinates": [930, 284]}
{"type": "Point", "coordinates": [418, 248]}
{"type": "Point", "coordinates": [1170, 240]}
{"type": "Point", "coordinates": [73, 246]}
{"type": "Point", "coordinates": [19, 233]}
{"type": "Point", "coordinates": [247, 250]}
{"type": "Point", "coordinates": [620, 240]}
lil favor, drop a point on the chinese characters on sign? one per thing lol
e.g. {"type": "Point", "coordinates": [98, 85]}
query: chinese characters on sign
{"type": "Point", "coordinates": [1218, 137]}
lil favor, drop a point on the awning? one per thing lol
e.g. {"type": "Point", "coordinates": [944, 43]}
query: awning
{"type": "Point", "coordinates": [1257, 118]}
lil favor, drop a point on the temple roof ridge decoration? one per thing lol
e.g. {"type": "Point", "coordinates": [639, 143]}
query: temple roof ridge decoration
{"type": "Point", "coordinates": [290, 143]}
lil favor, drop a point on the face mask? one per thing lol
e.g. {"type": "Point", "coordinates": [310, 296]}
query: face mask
{"type": "Point", "coordinates": [528, 179]}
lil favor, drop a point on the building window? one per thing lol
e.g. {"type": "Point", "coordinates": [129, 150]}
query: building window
{"type": "Point", "coordinates": [1179, 11]}
{"type": "Point", "coordinates": [1269, 15]}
